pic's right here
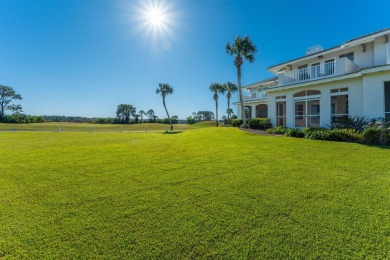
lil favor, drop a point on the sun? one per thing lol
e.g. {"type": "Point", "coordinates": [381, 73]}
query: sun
{"type": "Point", "coordinates": [156, 21]}
{"type": "Point", "coordinates": [155, 17]}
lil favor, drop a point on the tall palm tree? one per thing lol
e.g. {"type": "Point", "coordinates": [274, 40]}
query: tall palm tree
{"type": "Point", "coordinates": [141, 114]}
{"type": "Point", "coordinates": [230, 88]}
{"type": "Point", "coordinates": [243, 49]}
{"type": "Point", "coordinates": [165, 89]}
{"type": "Point", "coordinates": [217, 89]}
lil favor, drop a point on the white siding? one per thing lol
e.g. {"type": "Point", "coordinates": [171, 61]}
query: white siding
{"type": "Point", "coordinates": [355, 92]}
{"type": "Point", "coordinates": [380, 51]}
{"type": "Point", "coordinates": [373, 94]}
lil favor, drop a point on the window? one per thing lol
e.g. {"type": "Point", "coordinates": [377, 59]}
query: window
{"type": "Point", "coordinates": [307, 93]}
{"type": "Point", "coordinates": [329, 67]}
{"type": "Point", "coordinates": [281, 113]}
{"type": "Point", "coordinates": [302, 72]}
{"type": "Point", "coordinates": [315, 70]}
{"type": "Point", "coordinates": [387, 99]}
{"type": "Point", "coordinates": [307, 108]}
{"type": "Point", "coordinates": [338, 90]}
{"type": "Point", "coordinates": [339, 104]}
{"type": "Point", "coordinates": [280, 97]}
{"type": "Point", "coordinates": [262, 111]}
{"type": "Point", "coordinates": [349, 56]}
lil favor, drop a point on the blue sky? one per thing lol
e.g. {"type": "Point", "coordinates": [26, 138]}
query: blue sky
{"type": "Point", "coordinates": [79, 57]}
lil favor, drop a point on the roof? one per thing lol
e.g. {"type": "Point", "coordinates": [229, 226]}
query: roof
{"type": "Point", "coordinates": [333, 48]}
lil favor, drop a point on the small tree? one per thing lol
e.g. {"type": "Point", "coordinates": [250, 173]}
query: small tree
{"type": "Point", "coordinates": [165, 89]}
{"type": "Point", "coordinates": [230, 88]}
{"type": "Point", "coordinates": [124, 112]}
{"type": "Point", "coordinates": [141, 113]}
{"type": "Point", "coordinates": [151, 115]}
{"type": "Point", "coordinates": [7, 95]}
{"type": "Point", "coordinates": [217, 88]}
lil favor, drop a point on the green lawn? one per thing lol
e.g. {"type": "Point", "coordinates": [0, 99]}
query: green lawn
{"type": "Point", "coordinates": [85, 127]}
{"type": "Point", "coordinates": [202, 193]}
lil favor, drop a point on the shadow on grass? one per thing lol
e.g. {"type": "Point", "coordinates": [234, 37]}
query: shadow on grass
{"type": "Point", "coordinates": [172, 133]}
{"type": "Point", "coordinates": [377, 146]}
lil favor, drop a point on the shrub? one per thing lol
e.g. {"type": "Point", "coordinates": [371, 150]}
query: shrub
{"type": "Point", "coordinates": [260, 123]}
{"type": "Point", "coordinates": [357, 123]}
{"type": "Point", "coordinates": [190, 120]}
{"type": "Point", "coordinates": [376, 135]}
{"type": "Point", "coordinates": [295, 132]}
{"type": "Point", "coordinates": [279, 130]}
{"type": "Point", "coordinates": [344, 135]}
{"type": "Point", "coordinates": [236, 122]}
{"type": "Point", "coordinates": [316, 133]}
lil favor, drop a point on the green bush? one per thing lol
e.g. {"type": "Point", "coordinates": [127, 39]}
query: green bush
{"type": "Point", "coordinates": [190, 120]}
{"type": "Point", "coordinates": [260, 123]}
{"type": "Point", "coordinates": [295, 132]}
{"type": "Point", "coordinates": [344, 135]}
{"type": "Point", "coordinates": [236, 122]}
{"type": "Point", "coordinates": [22, 119]}
{"type": "Point", "coordinates": [316, 133]}
{"type": "Point", "coordinates": [357, 123]}
{"type": "Point", "coordinates": [279, 130]}
{"type": "Point", "coordinates": [376, 135]}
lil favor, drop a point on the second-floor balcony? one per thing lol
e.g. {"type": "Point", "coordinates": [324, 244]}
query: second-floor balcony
{"type": "Point", "coordinates": [388, 52]}
{"type": "Point", "coordinates": [316, 71]}
{"type": "Point", "coordinates": [254, 96]}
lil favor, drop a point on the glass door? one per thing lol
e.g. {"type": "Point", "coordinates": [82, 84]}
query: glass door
{"type": "Point", "coordinates": [313, 116]}
{"type": "Point", "coordinates": [307, 113]}
{"type": "Point", "coordinates": [300, 114]}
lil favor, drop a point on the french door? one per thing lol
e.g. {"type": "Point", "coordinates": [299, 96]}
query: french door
{"type": "Point", "coordinates": [307, 113]}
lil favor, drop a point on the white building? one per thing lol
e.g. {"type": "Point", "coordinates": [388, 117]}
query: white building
{"type": "Point", "coordinates": [352, 79]}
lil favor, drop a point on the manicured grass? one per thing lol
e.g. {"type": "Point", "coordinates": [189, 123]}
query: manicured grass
{"type": "Point", "coordinates": [85, 127]}
{"type": "Point", "coordinates": [203, 193]}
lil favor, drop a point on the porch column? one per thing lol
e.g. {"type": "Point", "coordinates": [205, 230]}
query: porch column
{"type": "Point", "coordinates": [253, 111]}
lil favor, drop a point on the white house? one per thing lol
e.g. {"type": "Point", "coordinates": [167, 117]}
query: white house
{"type": "Point", "coordinates": [352, 79]}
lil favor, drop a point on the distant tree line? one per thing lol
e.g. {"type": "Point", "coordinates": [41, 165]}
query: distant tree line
{"type": "Point", "coordinates": [127, 114]}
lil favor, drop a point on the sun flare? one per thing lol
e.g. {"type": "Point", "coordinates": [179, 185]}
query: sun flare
{"type": "Point", "coordinates": [156, 21]}
{"type": "Point", "coordinates": [155, 17]}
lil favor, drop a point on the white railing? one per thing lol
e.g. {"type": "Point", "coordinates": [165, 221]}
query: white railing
{"type": "Point", "coordinates": [254, 96]}
{"type": "Point", "coordinates": [309, 73]}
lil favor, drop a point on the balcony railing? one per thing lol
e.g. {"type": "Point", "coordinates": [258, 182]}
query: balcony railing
{"type": "Point", "coordinates": [254, 96]}
{"type": "Point", "coordinates": [388, 52]}
{"type": "Point", "coordinates": [309, 73]}
{"type": "Point", "coordinates": [327, 69]}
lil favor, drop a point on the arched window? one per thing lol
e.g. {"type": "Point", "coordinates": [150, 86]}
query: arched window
{"type": "Point", "coordinates": [306, 93]}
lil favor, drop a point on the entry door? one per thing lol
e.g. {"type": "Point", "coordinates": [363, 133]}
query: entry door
{"type": "Point", "coordinates": [387, 99]}
{"type": "Point", "coordinates": [307, 113]}
{"type": "Point", "coordinates": [313, 115]}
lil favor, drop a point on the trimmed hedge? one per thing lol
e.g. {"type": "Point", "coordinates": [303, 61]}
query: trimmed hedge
{"type": "Point", "coordinates": [295, 132]}
{"type": "Point", "coordinates": [236, 122]}
{"type": "Point", "coordinates": [260, 123]}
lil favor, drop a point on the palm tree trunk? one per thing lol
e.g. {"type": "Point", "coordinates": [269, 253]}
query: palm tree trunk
{"type": "Point", "coordinates": [241, 99]}
{"type": "Point", "coordinates": [228, 98]}
{"type": "Point", "coordinates": [216, 108]}
{"type": "Point", "coordinates": [166, 110]}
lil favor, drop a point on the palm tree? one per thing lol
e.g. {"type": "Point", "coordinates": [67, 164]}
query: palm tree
{"type": "Point", "coordinates": [243, 49]}
{"type": "Point", "coordinates": [217, 89]}
{"type": "Point", "coordinates": [165, 89]}
{"type": "Point", "coordinates": [151, 115]}
{"type": "Point", "coordinates": [141, 114]}
{"type": "Point", "coordinates": [230, 88]}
